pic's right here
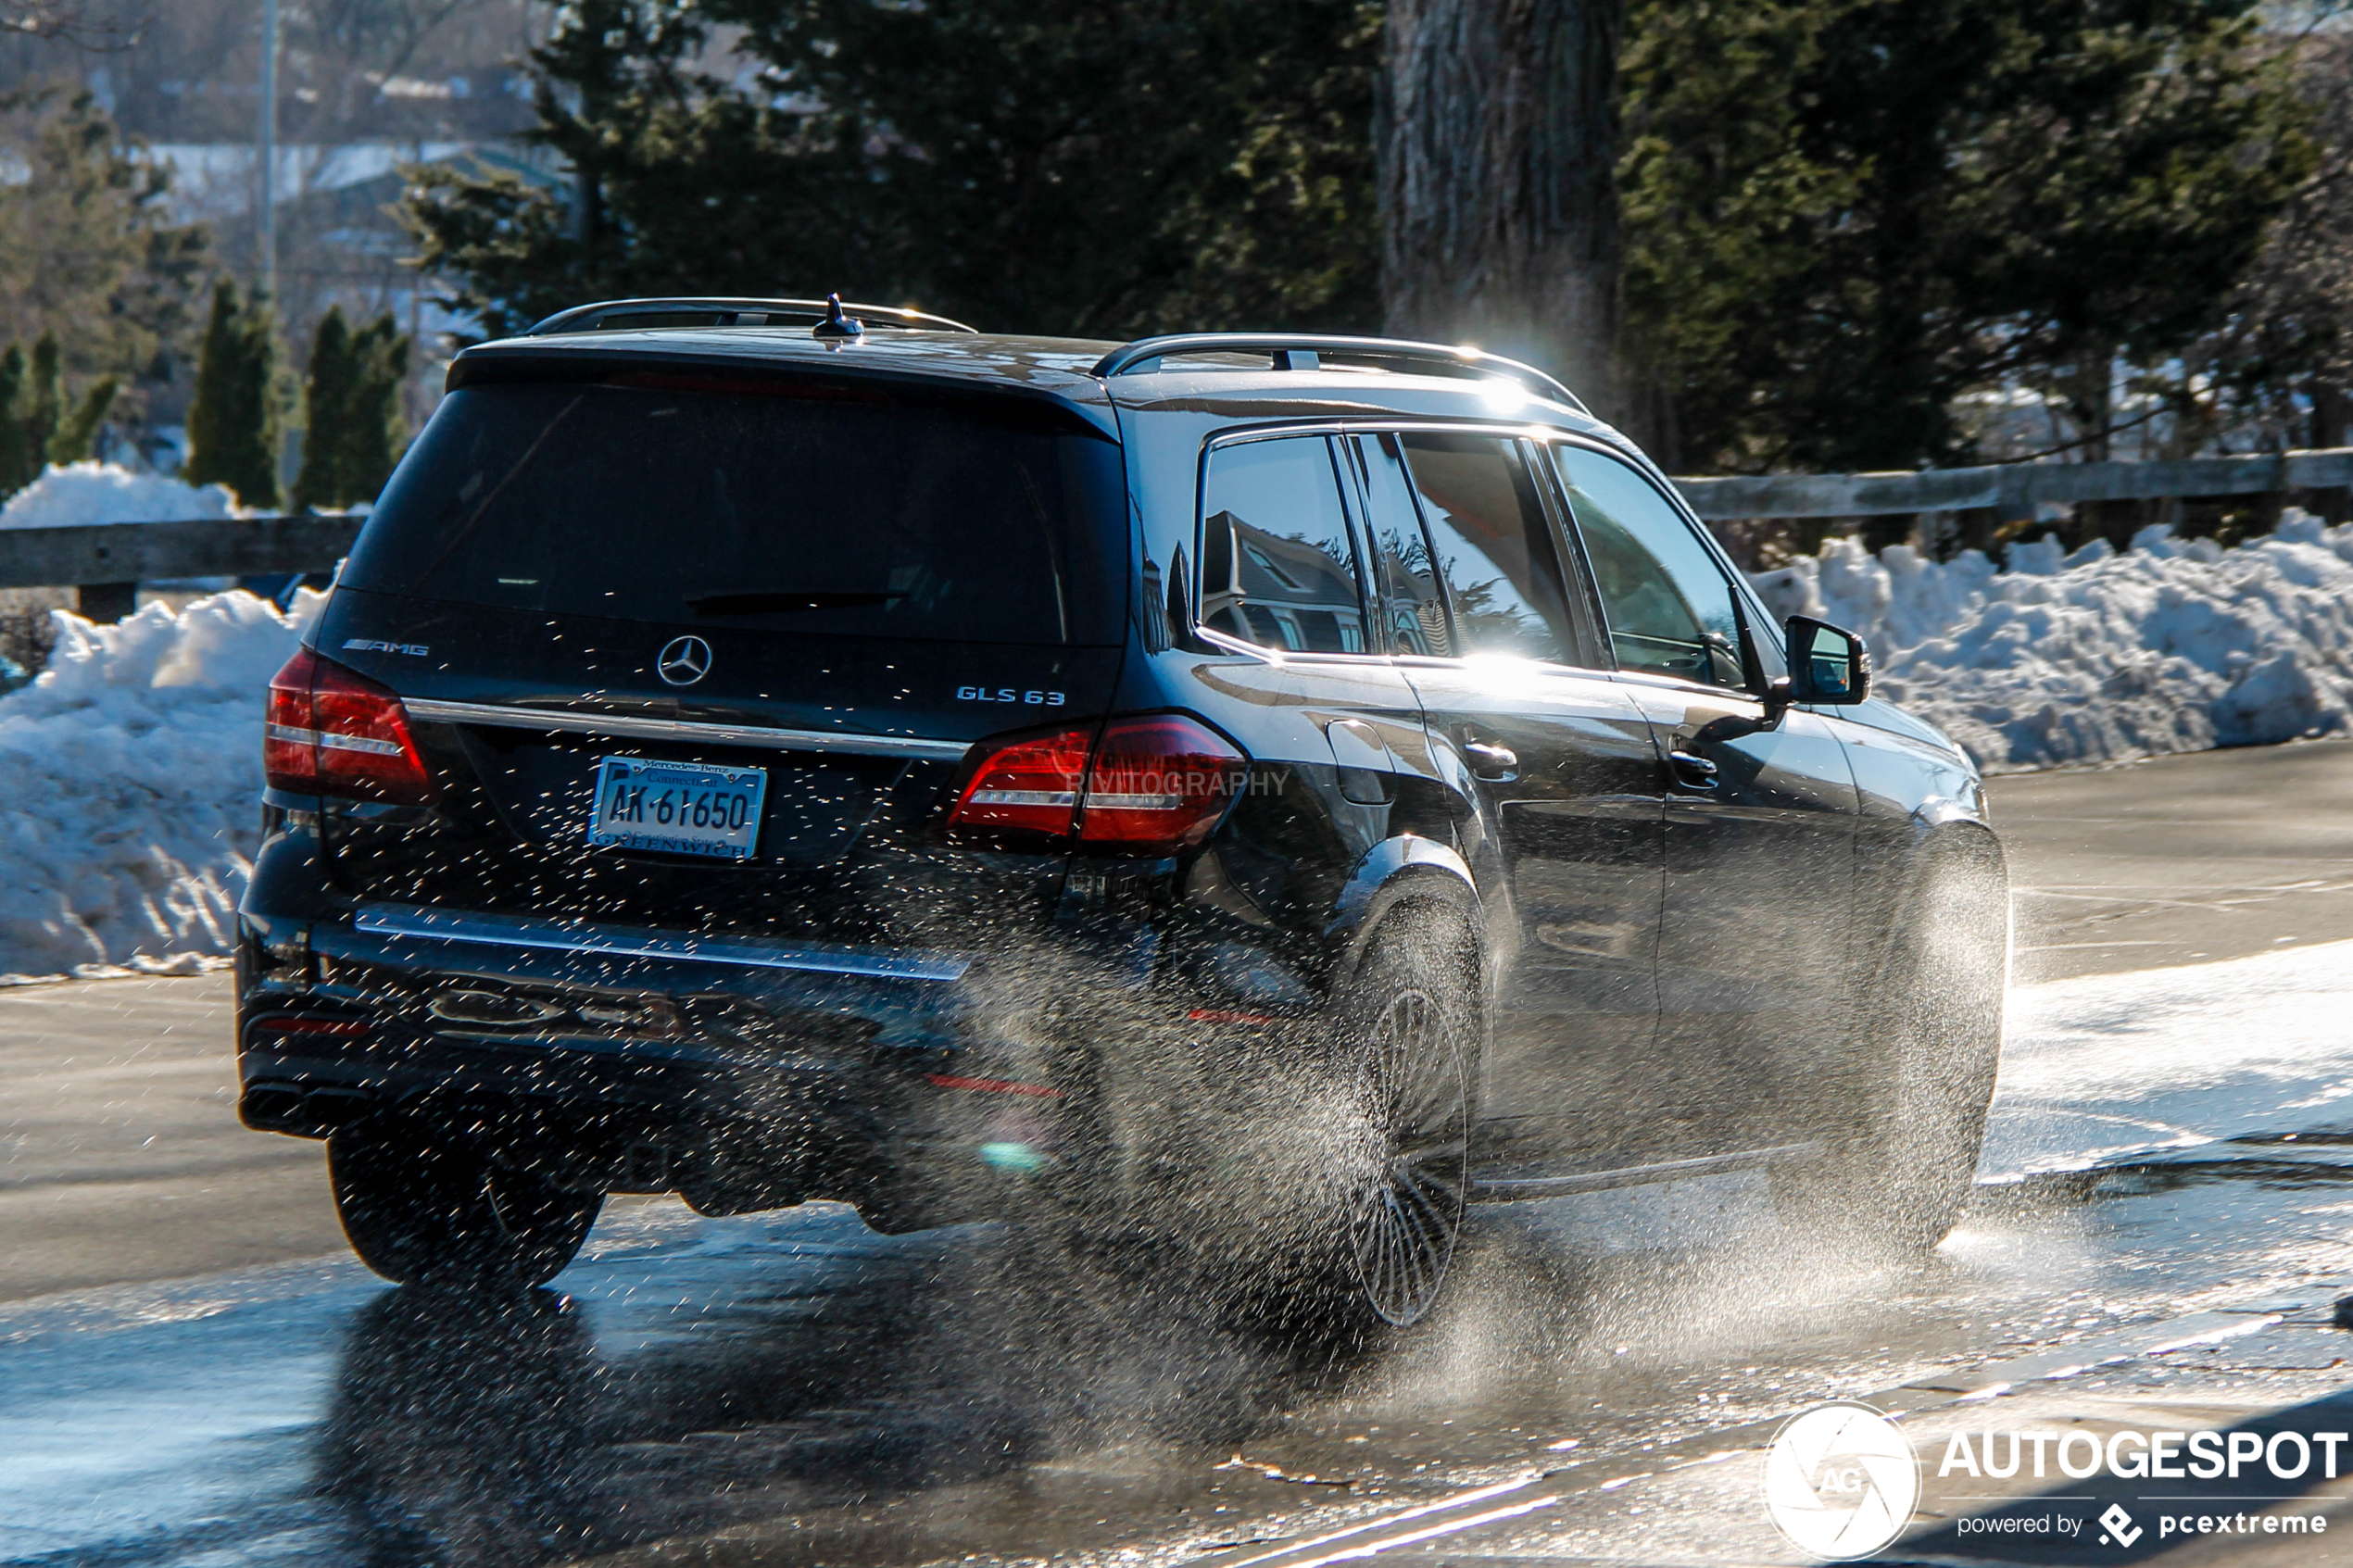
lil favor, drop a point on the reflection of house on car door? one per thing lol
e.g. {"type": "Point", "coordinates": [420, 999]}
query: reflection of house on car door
{"type": "Point", "coordinates": [1276, 592]}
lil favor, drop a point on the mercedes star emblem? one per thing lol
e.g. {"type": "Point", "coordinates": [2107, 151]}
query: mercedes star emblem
{"type": "Point", "coordinates": [684, 660]}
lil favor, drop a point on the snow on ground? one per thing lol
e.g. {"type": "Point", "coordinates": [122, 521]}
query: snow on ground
{"type": "Point", "coordinates": [2172, 645]}
{"type": "Point", "coordinates": [131, 769]}
{"type": "Point", "coordinates": [91, 493]}
{"type": "Point", "coordinates": [2099, 1068]}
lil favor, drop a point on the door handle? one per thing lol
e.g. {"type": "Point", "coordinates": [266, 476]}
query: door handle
{"type": "Point", "coordinates": [1692, 773]}
{"type": "Point", "coordinates": [1492, 763]}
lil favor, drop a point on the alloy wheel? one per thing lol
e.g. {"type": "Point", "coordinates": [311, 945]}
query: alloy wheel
{"type": "Point", "coordinates": [1410, 1215]}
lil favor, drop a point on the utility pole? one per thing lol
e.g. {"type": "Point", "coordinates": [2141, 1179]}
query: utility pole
{"type": "Point", "coordinates": [266, 209]}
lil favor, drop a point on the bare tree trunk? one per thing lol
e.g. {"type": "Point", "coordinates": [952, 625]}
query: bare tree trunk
{"type": "Point", "coordinates": [1499, 203]}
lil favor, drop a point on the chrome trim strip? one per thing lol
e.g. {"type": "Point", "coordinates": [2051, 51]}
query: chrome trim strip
{"type": "Point", "coordinates": [506, 931]}
{"type": "Point", "coordinates": [680, 729]}
{"type": "Point", "coordinates": [1505, 1189]}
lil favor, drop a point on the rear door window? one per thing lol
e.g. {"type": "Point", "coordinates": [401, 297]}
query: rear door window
{"type": "Point", "coordinates": [1278, 565]}
{"type": "Point", "coordinates": [800, 512]}
{"type": "Point", "coordinates": [1491, 546]}
{"type": "Point", "coordinates": [1413, 608]}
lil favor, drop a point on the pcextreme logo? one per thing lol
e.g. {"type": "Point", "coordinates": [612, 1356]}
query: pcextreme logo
{"type": "Point", "coordinates": [1841, 1481]}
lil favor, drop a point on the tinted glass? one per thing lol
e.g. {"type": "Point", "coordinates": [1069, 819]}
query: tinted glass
{"type": "Point", "coordinates": [1277, 565]}
{"type": "Point", "coordinates": [1491, 545]}
{"type": "Point", "coordinates": [1668, 603]}
{"type": "Point", "coordinates": [794, 512]}
{"type": "Point", "coordinates": [1413, 609]}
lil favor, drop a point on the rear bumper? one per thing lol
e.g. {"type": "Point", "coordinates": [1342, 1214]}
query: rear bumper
{"type": "Point", "coordinates": [743, 1073]}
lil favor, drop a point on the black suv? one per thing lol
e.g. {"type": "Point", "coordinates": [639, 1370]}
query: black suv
{"type": "Point", "coordinates": [1266, 791]}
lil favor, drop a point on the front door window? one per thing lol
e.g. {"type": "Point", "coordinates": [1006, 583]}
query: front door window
{"type": "Point", "coordinates": [1669, 606]}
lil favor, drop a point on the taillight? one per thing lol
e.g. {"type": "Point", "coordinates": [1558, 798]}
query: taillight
{"type": "Point", "coordinates": [1144, 785]}
{"type": "Point", "coordinates": [1158, 783]}
{"type": "Point", "coordinates": [332, 732]}
{"type": "Point", "coordinates": [1030, 786]}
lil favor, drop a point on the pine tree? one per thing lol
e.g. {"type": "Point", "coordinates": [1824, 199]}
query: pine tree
{"type": "Point", "coordinates": [44, 400]}
{"type": "Point", "coordinates": [17, 465]}
{"type": "Point", "coordinates": [352, 398]}
{"type": "Point", "coordinates": [233, 424]}
{"type": "Point", "coordinates": [1217, 158]}
{"type": "Point", "coordinates": [1841, 215]}
{"type": "Point", "coordinates": [379, 430]}
{"type": "Point", "coordinates": [327, 414]}
{"type": "Point", "coordinates": [76, 437]}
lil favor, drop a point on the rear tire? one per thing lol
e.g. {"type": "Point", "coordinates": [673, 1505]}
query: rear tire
{"type": "Point", "coordinates": [1374, 1233]}
{"type": "Point", "coordinates": [421, 1211]}
{"type": "Point", "coordinates": [1414, 1033]}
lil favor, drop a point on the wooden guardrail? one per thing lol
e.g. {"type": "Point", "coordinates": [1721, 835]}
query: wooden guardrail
{"type": "Point", "coordinates": [2013, 490]}
{"type": "Point", "coordinates": [107, 561]}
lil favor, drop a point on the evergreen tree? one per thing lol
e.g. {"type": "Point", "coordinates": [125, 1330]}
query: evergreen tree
{"type": "Point", "coordinates": [77, 436]}
{"type": "Point", "coordinates": [327, 412]}
{"type": "Point", "coordinates": [379, 429]}
{"type": "Point", "coordinates": [38, 423]}
{"type": "Point", "coordinates": [1840, 215]}
{"type": "Point", "coordinates": [19, 463]}
{"type": "Point", "coordinates": [88, 250]}
{"type": "Point", "coordinates": [45, 398]}
{"type": "Point", "coordinates": [1102, 169]}
{"type": "Point", "coordinates": [234, 421]}
{"type": "Point", "coordinates": [352, 399]}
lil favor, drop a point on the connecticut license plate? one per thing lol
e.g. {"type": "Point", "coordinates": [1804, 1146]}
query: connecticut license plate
{"type": "Point", "coordinates": [678, 807]}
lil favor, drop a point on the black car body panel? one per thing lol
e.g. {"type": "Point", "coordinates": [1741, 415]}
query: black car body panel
{"type": "Point", "coordinates": [1673, 881]}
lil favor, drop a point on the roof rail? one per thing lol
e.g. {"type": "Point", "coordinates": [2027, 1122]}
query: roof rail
{"type": "Point", "coordinates": [1291, 351]}
{"type": "Point", "coordinates": [731, 312]}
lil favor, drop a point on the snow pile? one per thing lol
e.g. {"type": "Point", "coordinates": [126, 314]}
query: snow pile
{"type": "Point", "coordinates": [91, 492]}
{"type": "Point", "coordinates": [133, 773]}
{"type": "Point", "coordinates": [2173, 646]}
{"type": "Point", "coordinates": [133, 766]}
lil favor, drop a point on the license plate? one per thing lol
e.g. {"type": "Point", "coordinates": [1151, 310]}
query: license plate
{"type": "Point", "coordinates": [678, 807]}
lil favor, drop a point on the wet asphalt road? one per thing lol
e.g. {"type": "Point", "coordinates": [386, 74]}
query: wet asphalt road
{"type": "Point", "coordinates": [191, 1372]}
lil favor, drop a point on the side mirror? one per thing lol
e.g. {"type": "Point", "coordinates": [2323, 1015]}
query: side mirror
{"type": "Point", "coordinates": [1827, 664]}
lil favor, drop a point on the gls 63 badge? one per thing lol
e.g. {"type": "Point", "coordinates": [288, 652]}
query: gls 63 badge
{"type": "Point", "coordinates": [1008, 694]}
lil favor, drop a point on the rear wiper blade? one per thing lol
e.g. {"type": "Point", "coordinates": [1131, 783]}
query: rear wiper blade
{"type": "Point", "coordinates": [785, 601]}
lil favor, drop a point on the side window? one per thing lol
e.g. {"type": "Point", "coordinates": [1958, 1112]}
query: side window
{"type": "Point", "coordinates": [1669, 606]}
{"type": "Point", "coordinates": [1413, 612]}
{"type": "Point", "coordinates": [1491, 546]}
{"type": "Point", "coordinates": [1277, 568]}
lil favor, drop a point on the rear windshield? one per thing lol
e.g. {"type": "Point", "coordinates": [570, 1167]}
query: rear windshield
{"type": "Point", "coordinates": [799, 512]}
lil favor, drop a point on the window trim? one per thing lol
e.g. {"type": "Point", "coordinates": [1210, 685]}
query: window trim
{"type": "Point", "coordinates": [1742, 596]}
{"type": "Point", "coordinates": [1372, 548]}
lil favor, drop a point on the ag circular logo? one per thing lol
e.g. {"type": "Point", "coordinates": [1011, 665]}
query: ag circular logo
{"type": "Point", "coordinates": [1841, 1481]}
{"type": "Point", "coordinates": [684, 660]}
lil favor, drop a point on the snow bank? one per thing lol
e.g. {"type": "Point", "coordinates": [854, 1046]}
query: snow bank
{"type": "Point", "coordinates": [2173, 646]}
{"type": "Point", "coordinates": [91, 492]}
{"type": "Point", "coordinates": [132, 769]}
